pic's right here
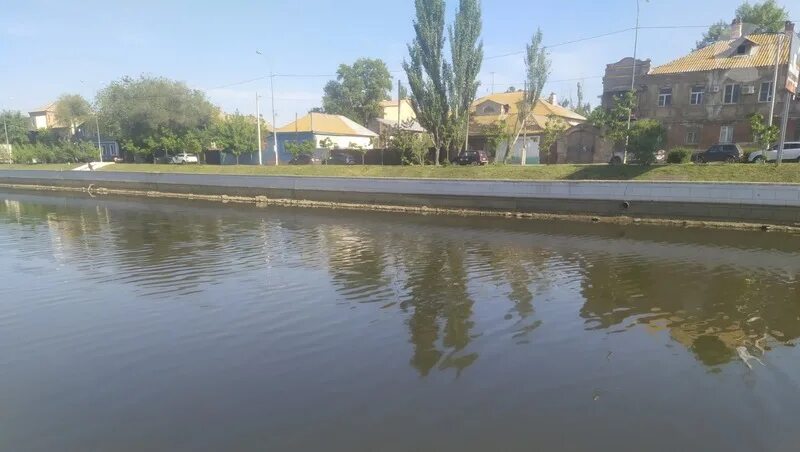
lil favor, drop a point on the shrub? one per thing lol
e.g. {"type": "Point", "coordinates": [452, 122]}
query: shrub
{"type": "Point", "coordinates": [646, 137]}
{"type": "Point", "coordinates": [680, 155]}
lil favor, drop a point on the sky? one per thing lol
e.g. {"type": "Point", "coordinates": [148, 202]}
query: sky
{"type": "Point", "coordinates": [52, 47]}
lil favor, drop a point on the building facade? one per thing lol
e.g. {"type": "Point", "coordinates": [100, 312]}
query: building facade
{"type": "Point", "coordinates": [322, 129]}
{"type": "Point", "coordinates": [708, 96]}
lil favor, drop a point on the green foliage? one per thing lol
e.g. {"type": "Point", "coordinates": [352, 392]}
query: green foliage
{"type": "Point", "coordinates": [495, 134]}
{"type": "Point", "coordinates": [764, 17]}
{"type": "Point", "coordinates": [358, 149]}
{"type": "Point", "coordinates": [358, 90]}
{"type": "Point", "coordinates": [553, 130]}
{"type": "Point", "coordinates": [646, 137]}
{"type": "Point", "coordinates": [235, 133]}
{"type": "Point", "coordinates": [327, 143]}
{"type": "Point", "coordinates": [764, 135]}
{"type": "Point", "coordinates": [443, 91]}
{"type": "Point", "coordinates": [16, 125]}
{"type": "Point", "coordinates": [72, 110]}
{"type": "Point", "coordinates": [614, 122]}
{"type": "Point", "coordinates": [65, 152]}
{"type": "Point", "coordinates": [413, 146]}
{"type": "Point", "coordinates": [149, 114]}
{"type": "Point", "coordinates": [537, 70]}
{"type": "Point", "coordinates": [298, 148]}
{"type": "Point", "coordinates": [680, 155]}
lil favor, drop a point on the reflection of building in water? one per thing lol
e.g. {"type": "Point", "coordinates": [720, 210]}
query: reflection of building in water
{"type": "Point", "coordinates": [711, 316]}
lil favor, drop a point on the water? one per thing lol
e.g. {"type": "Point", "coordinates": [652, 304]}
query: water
{"type": "Point", "coordinates": [130, 325]}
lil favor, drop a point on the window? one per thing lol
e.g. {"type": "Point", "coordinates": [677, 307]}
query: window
{"type": "Point", "coordinates": [732, 94]}
{"type": "Point", "coordinates": [726, 134]}
{"type": "Point", "coordinates": [741, 50]}
{"type": "Point", "coordinates": [696, 97]}
{"type": "Point", "coordinates": [765, 94]}
{"type": "Point", "coordinates": [665, 97]}
{"type": "Point", "coordinates": [692, 136]}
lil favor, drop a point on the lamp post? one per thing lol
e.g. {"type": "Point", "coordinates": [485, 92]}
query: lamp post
{"type": "Point", "coordinates": [258, 129]}
{"type": "Point", "coordinates": [633, 84]}
{"type": "Point", "coordinates": [274, 126]}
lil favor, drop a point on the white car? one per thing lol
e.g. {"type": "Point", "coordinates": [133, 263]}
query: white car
{"type": "Point", "coordinates": [791, 153]}
{"type": "Point", "coordinates": [185, 158]}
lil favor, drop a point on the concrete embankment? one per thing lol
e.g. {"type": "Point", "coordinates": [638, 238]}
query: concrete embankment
{"type": "Point", "coordinates": [684, 202]}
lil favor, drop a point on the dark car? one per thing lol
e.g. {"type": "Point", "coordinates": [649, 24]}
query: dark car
{"type": "Point", "coordinates": [472, 158]}
{"type": "Point", "coordinates": [305, 159]}
{"type": "Point", "coordinates": [341, 159]}
{"type": "Point", "coordinates": [730, 153]}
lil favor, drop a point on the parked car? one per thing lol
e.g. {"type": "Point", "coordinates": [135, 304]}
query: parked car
{"type": "Point", "coordinates": [185, 158]}
{"type": "Point", "coordinates": [305, 159]}
{"type": "Point", "coordinates": [791, 153]}
{"type": "Point", "coordinates": [473, 158]}
{"type": "Point", "coordinates": [341, 159]}
{"type": "Point", "coordinates": [616, 159]}
{"type": "Point", "coordinates": [730, 153]}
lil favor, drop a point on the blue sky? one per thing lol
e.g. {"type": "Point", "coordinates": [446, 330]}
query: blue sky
{"type": "Point", "coordinates": [50, 47]}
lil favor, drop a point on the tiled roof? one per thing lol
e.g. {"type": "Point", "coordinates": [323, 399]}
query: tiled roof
{"type": "Point", "coordinates": [327, 124]}
{"type": "Point", "coordinates": [717, 56]}
{"type": "Point", "coordinates": [393, 103]}
{"type": "Point", "coordinates": [51, 107]}
{"type": "Point", "coordinates": [541, 112]}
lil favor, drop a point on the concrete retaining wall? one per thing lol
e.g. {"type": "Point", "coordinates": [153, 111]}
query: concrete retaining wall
{"type": "Point", "coordinates": [740, 202]}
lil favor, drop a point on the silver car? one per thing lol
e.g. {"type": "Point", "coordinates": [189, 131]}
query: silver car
{"type": "Point", "coordinates": [791, 153]}
{"type": "Point", "coordinates": [185, 158]}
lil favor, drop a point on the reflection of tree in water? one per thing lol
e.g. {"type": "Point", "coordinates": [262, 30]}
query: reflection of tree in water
{"type": "Point", "coordinates": [711, 311]}
{"type": "Point", "coordinates": [437, 288]}
{"type": "Point", "coordinates": [358, 264]}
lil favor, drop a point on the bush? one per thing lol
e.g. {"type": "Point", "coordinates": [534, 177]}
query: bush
{"type": "Point", "coordinates": [680, 155]}
{"type": "Point", "coordinates": [647, 137]}
{"type": "Point", "coordinates": [83, 151]}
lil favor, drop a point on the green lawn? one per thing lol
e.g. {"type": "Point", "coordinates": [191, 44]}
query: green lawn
{"type": "Point", "coordinates": [43, 166]}
{"type": "Point", "coordinates": [788, 172]}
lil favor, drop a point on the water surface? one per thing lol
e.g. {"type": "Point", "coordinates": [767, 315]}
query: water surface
{"type": "Point", "coordinates": [130, 325]}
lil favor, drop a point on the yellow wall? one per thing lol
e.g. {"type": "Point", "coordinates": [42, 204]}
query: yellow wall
{"type": "Point", "coordinates": [406, 112]}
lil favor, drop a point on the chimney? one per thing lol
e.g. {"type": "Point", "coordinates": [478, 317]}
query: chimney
{"type": "Point", "coordinates": [736, 28]}
{"type": "Point", "coordinates": [553, 99]}
{"type": "Point", "coordinates": [789, 27]}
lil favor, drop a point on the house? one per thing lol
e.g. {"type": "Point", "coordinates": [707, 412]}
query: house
{"type": "Point", "coordinates": [393, 111]}
{"type": "Point", "coordinates": [501, 112]}
{"type": "Point", "coordinates": [708, 96]}
{"type": "Point", "coordinates": [617, 78]}
{"type": "Point", "coordinates": [45, 118]}
{"type": "Point", "coordinates": [321, 129]}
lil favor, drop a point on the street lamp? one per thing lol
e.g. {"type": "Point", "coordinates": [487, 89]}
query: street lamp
{"type": "Point", "coordinates": [633, 84]}
{"type": "Point", "coordinates": [274, 125]}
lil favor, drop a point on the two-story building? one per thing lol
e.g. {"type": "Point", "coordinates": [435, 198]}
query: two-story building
{"type": "Point", "coordinates": [708, 96]}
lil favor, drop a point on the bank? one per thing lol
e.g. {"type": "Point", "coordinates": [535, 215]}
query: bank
{"type": "Point", "coordinates": [718, 204]}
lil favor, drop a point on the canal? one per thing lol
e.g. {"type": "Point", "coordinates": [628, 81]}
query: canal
{"type": "Point", "coordinates": [132, 324]}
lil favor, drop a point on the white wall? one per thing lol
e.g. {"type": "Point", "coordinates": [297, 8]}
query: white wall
{"type": "Point", "coordinates": [343, 142]}
{"type": "Point", "coordinates": [532, 151]}
{"type": "Point", "coordinates": [39, 121]}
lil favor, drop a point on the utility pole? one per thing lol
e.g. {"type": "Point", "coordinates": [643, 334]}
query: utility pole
{"type": "Point", "coordinates": [492, 83]}
{"type": "Point", "coordinates": [633, 84]}
{"type": "Point", "coordinates": [258, 129]}
{"type": "Point", "coordinates": [274, 125]}
{"type": "Point", "coordinates": [784, 122]}
{"type": "Point", "coordinates": [99, 146]}
{"type": "Point", "coordinates": [775, 80]}
{"type": "Point", "coordinates": [5, 126]}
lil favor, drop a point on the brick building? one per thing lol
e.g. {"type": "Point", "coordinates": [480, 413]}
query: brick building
{"type": "Point", "coordinates": [707, 97]}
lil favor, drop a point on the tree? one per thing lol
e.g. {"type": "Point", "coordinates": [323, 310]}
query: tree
{"type": "Point", "coordinates": [466, 52]}
{"type": "Point", "coordinates": [235, 133]}
{"type": "Point", "coordinates": [17, 127]}
{"type": "Point", "coordinates": [402, 91]}
{"type": "Point", "coordinates": [583, 109]}
{"type": "Point", "coordinates": [358, 90]}
{"type": "Point", "coordinates": [511, 89]}
{"type": "Point", "coordinates": [72, 110]}
{"type": "Point", "coordinates": [765, 17]}
{"type": "Point", "coordinates": [358, 149]}
{"type": "Point", "coordinates": [442, 91]}
{"type": "Point", "coordinates": [646, 137]}
{"type": "Point", "coordinates": [537, 65]}
{"type": "Point", "coordinates": [614, 122]}
{"type": "Point", "coordinates": [413, 146]}
{"type": "Point", "coordinates": [764, 135]}
{"type": "Point", "coordinates": [298, 148]}
{"type": "Point", "coordinates": [554, 129]}
{"type": "Point", "coordinates": [147, 114]}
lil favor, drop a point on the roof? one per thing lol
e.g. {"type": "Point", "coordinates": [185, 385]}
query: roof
{"type": "Point", "coordinates": [413, 127]}
{"type": "Point", "coordinates": [541, 111]}
{"type": "Point", "coordinates": [392, 103]}
{"type": "Point", "coordinates": [49, 107]}
{"type": "Point", "coordinates": [717, 56]}
{"type": "Point", "coordinates": [328, 125]}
